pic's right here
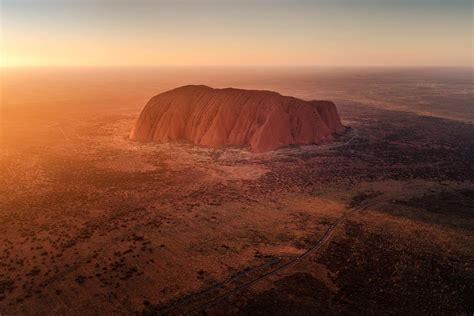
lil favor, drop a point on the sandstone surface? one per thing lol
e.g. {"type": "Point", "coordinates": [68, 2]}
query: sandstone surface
{"type": "Point", "coordinates": [261, 120]}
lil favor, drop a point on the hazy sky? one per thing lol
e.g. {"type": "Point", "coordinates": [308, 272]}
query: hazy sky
{"type": "Point", "coordinates": [240, 32]}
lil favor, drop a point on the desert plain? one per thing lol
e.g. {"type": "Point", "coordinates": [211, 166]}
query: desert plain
{"type": "Point", "coordinates": [380, 221]}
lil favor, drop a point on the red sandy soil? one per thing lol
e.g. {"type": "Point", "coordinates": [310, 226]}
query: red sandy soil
{"type": "Point", "coordinates": [93, 223]}
{"type": "Point", "coordinates": [263, 120]}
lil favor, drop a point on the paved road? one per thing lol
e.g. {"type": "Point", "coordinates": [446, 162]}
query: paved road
{"type": "Point", "coordinates": [318, 245]}
{"type": "Point", "coordinates": [321, 242]}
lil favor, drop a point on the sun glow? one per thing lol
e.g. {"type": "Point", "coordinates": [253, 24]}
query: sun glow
{"type": "Point", "coordinates": [132, 33]}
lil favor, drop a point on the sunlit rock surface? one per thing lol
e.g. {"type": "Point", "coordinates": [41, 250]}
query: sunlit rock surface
{"type": "Point", "coordinates": [261, 120]}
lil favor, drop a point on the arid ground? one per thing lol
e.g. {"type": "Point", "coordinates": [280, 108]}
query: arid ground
{"type": "Point", "coordinates": [381, 221]}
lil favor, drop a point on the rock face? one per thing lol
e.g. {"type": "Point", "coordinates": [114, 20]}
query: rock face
{"type": "Point", "coordinates": [263, 120]}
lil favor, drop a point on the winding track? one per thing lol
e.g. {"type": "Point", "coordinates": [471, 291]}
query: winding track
{"type": "Point", "coordinates": [336, 145]}
{"type": "Point", "coordinates": [321, 242]}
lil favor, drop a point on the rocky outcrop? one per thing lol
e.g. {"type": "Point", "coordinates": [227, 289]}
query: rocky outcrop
{"type": "Point", "coordinates": [261, 120]}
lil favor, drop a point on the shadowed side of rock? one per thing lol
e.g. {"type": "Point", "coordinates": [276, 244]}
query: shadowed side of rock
{"type": "Point", "coordinates": [261, 120]}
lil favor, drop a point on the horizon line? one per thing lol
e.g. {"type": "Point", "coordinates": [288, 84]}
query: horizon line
{"type": "Point", "coordinates": [238, 66]}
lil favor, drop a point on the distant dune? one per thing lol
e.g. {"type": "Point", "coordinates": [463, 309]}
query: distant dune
{"type": "Point", "coordinates": [262, 120]}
